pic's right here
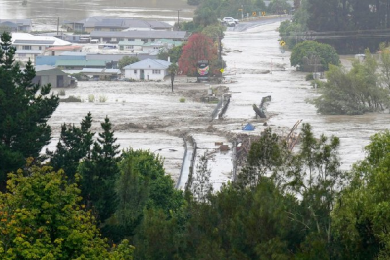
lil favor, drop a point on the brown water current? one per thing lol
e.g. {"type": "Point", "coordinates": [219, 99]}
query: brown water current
{"type": "Point", "coordinates": [45, 13]}
{"type": "Point", "coordinates": [258, 49]}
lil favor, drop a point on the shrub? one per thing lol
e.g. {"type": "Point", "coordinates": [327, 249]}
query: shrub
{"type": "Point", "coordinates": [61, 92]}
{"type": "Point", "coordinates": [102, 98]}
{"type": "Point", "coordinates": [91, 98]}
{"type": "Point", "coordinates": [309, 77]}
{"type": "Point", "coordinates": [182, 100]}
{"type": "Point", "coordinates": [70, 99]}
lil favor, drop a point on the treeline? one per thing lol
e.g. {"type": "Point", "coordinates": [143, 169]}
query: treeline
{"type": "Point", "coordinates": [236, 9]}
{"type": "Point", "coordinates": [351, 26]}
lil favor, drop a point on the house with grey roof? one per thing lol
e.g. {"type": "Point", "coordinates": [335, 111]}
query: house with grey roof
{"type": "Point", "coordinates": [145, 36]}
{"type": "Point", "coordinates": [147, 70]}
{"type": "Point", "coordinates": [112, 24]}
{"type": "Point", "coordinates": [15, 25]}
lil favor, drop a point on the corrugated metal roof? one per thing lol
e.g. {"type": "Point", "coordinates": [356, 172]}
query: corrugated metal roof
{"type": "Point", "coordinates": [32, 42]}
{"type": "Point", "coordinates": [26, 38]}
{"type": "Point", "coordinates": [24, 22]}
{"type": "Point", "coordinates": [149, 64]}
{"type": "Point", "coordinates": [28, 52]}
{"type": "Point", "coordinates": [113, 22]}
{"type": "Point", "coordinates": [73, 53]}
{"type": "Point", "coordinates": [117, 57]}
{"type": "Point", "coordinates": [131, 43]}
{"type": "Point", "coordinates": [79, 63]}
{"type": "Point", "coordinates": [141, 34]}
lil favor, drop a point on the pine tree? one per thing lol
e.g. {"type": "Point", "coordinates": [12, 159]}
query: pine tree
{"type": "Point", "coordinates": [74, 144]}
{"type": "Point", "coordinates": [100, 172]}
{"type": "Point", "coordinates": [25, 109]}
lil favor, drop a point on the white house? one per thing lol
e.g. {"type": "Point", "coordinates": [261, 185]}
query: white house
{"type": "Point", "coordinates": [147, 70]}
{"type": "Point", "coordinates": [29, 46]}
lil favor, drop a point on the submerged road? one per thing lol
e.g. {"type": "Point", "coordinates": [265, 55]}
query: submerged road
{"type": "Point", "coordinates": [252, 48]}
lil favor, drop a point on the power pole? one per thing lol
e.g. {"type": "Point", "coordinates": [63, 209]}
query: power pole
{"type": "Point", "coordinates": [178, 19]}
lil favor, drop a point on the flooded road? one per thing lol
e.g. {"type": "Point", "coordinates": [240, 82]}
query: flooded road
{"type": "Point", "coordinates": [257, 50]}
{"type": "Point", "coordinates": [44, 13]}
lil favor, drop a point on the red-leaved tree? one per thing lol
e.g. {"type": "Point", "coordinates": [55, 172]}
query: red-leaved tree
{"type": "Point", "coordinates": [198, 47]}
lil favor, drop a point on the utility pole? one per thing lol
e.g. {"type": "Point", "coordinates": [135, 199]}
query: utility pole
{"type": "Point", "coordinates": [178, 19]}
{"type": "Point", "coordinates": [58, 24]}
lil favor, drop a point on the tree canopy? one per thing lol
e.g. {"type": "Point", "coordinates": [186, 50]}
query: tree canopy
{"type": "Point", "coordinates": [353, 92]}
{"type": "Point", "coordinates": [314, 54]}
{"type": "Point", "coordinates": [198, 47]}
{"type": "Point", "coordinates": [42, 218]}
{"type": "Point", "coordinates": [25, 109]}
{"type": "Point", "coordinates": [127, 60]}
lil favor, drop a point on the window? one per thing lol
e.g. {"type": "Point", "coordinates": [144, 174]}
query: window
{"type": "Point", "coordinates": [156, 71]}
{"type": "Point", "coordinates": [26, 47]}
{"type": "Point", "coordinates": [135, 71]}
{"type": "Point", "coordinates": [130, 47]}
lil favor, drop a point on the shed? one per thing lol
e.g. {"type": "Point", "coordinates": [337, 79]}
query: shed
{"type": "Point", "coordinates": [54, 76]}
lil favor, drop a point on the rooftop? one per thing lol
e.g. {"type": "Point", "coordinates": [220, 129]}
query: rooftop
{"type": "Point", "coordinates": [29, 39]}
{"type": "Point", "coordinates": [149, 64]}
{"type": "Point", "coordinates": [81, 63]}
{"type": "Point", "coordinates": [142, 34]}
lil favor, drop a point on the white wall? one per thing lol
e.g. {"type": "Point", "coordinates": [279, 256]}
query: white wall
{"type": "Point", "coordinates": [129, 74]}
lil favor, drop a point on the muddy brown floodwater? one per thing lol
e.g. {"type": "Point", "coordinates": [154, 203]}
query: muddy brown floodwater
{"type": "Point", "coordinates": [258, 49]}
{"type": "Point", "coordinates": [44, 13]}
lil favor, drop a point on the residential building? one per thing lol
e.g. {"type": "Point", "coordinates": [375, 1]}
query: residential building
{"type": "Point", "coordinates": [145, 36]}
{"type": "Point", "coordinates": [29, 46]}
{"type": "Point", "coordinates": [133, 46]}
{"type": "Point", "coordinates": [147, 70]}
{"type": "Point", "coordinates": [111, 24]}
{"type": "Point", "coordinates": [15, 25]}
{"type": "Point", "coordinates": [58, 50]}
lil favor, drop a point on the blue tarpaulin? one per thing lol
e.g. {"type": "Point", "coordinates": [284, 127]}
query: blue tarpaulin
{"type": "Point", "coordinates": [248, 127]}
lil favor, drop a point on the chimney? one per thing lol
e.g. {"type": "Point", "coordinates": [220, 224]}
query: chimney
{"type": "Point", "coordinates": [169, 59]}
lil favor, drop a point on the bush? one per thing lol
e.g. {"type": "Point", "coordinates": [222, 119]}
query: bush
{"type": "Point", "coordinates": [102, 98]}
{"type": "Point", "coordinates": [91, 98]}
{"type": "Point", "coordinates": [309, 77]}
{"type": "Point", "coordinates": [182, 100]}
{"type": "Point", "coordinates": [61, 92]}
{"type": "Point", "coordinates": [303, 52]}
{"type": "Point", "coordinates": [70, 99]}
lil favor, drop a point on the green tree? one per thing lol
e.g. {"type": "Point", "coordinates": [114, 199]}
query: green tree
{"type": "Point", "coordinates": [74, 144]}
{"type": "Point", "coordinates": [361, 216]}
{"type": "Point", "coordinates": [354, 92]}
{"type": "Point", "coordinates": [174, 54]}
{"type": "Point", "coordinates": [127, 60]}
{"type": "Point", "coordinates": [172, 70]}
{"type": "Point", "coordinates": [41, 218]}
{"type": "Point", "coordinates": [142, 185]}
{"type": "Point", "coordinates": [200, 185]}
{"type": "Point", "coordinates": [25, 109]}
{"type": "Point", "coordinates": [99, 174]}
{"type": "Point", "coordinates": [326, 53]}
{"type": "Point", "coordinates": [384, 65]}
{"type": "Point", "coordinates": [279, 7]}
